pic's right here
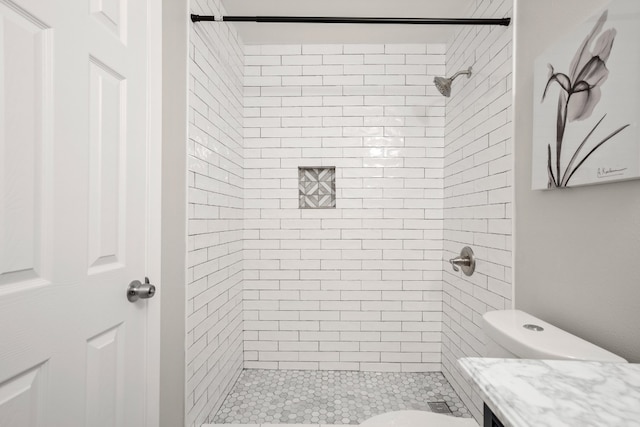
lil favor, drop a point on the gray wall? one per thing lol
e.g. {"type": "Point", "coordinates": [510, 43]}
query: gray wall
{"type": "Point", "coordinates": [576, 250]}
{"type": "Point", "coordinates": [174, 185]}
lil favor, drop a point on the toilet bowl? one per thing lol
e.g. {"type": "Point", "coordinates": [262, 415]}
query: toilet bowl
{"type": "Point", "coordinates": [509, 334]}
{"type": "Point", "coordinates": [417, 419]}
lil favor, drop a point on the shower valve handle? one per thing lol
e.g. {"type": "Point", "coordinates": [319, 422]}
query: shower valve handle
{"type": "Point", "coordinates": [466, 260]}
{"type": "Point", "coordinates": [455, 262]}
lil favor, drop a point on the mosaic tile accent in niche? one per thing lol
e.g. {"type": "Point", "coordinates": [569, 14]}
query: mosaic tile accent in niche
{"type": "Point", "coordinates": [317, 188]}
{"type": "Point", "coordinates": [334, 397]}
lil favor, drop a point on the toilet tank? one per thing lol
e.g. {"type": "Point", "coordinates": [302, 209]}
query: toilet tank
{"type": "Point", "coordinates": [516, 334]}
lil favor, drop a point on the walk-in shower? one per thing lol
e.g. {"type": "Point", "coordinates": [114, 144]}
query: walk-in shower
{"type": "Point", "coordinates": [444, 84]}
{"type": "Point", "coordinates": [335, 316]}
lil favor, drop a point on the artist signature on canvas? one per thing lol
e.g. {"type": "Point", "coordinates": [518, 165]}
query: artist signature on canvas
{"type": "Point", "coordinates": [609, 172]}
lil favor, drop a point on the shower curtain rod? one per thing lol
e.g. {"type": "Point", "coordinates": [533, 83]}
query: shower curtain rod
{"type": "Point", "coordinates": [354, 20]}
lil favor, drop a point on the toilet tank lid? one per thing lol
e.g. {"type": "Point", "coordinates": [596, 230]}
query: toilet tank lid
{"type": "Point", "coordinates": [506, 327]}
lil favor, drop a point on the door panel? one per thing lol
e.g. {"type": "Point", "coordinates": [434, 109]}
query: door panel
{"type": "Point", "coordinates": [21, 398]}
{"type": "Point", "coordinates": [111, 14]}
{"type": "Point", "coordinates": [24, 77]}
{"type": "Point", "coordinates": [105, 378]}
{"type": "Point", "coordinates": [73, 208]}
{"type": "Point", "coordinates": [107, 141]}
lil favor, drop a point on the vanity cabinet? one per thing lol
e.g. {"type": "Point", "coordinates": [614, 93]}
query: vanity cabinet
{"type": "Point", "coordinates": [490, 419]}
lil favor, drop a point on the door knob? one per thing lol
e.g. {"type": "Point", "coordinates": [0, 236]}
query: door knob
{"type": "Point", "coordinates": [137, 290]}
{"type": "Point", "coordinates": [466, 260]}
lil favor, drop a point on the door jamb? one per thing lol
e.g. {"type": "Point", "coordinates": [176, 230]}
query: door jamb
{"type": "Point", "coordinates": [154, 211]}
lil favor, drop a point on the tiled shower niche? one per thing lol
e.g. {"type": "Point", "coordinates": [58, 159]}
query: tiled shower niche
{"type": "Point", "coordinates": [317, 187]}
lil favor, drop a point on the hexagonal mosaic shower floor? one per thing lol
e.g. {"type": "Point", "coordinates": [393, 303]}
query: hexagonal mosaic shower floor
{"type": "Point", "coordinates": [333, 397]}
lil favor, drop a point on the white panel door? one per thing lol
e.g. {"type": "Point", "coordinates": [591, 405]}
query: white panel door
{"type": "Point", "coordinates": [73, 201]}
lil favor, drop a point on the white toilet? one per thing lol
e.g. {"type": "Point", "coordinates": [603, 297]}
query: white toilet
{"type": "Point", "coordinates": [519, 335]}
{"type": "Point", "coordinates": [509, 334]}
{"type": "Point", "coordinates": [418, 419]}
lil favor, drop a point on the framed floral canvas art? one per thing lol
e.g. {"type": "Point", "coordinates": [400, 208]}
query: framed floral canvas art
{"type": "Point", "coordinates": [587, 102]}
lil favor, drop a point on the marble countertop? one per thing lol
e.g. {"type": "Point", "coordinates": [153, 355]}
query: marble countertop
{"type": "Point", "coordinates": [557, 393]}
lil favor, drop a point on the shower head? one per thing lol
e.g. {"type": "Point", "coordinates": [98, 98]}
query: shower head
{"type": "Point", "coordinates": [443, 84]}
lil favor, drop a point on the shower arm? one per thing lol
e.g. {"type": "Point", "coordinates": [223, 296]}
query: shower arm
{"type": "Point", "coordinates": [465, 72]}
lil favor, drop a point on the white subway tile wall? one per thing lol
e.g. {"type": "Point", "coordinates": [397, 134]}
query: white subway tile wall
{"type": "Point", "coordinates": [215, 197]}
{"type": "Point", "coordinates": [477, 187]}
{"type": "Point", "coordinates": [358, 287]}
